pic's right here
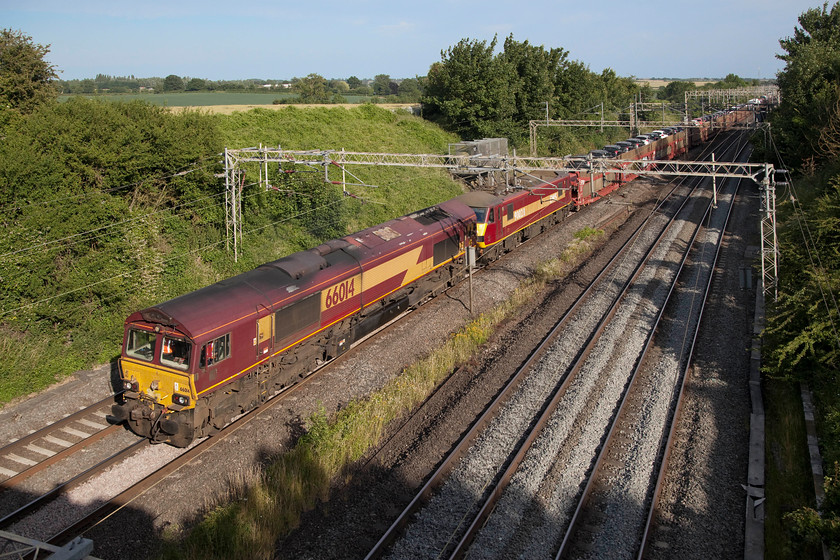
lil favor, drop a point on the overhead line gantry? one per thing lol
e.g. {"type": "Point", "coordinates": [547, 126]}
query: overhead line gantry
{"type": "Point", "coordinates": [513, 166]}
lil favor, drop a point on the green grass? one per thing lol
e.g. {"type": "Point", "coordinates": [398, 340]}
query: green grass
{"type": "Point", "coordinates": [789, 483]}
{"type": "Point", "coordinates": [393, 191]}
{"type": "Point", "coordinates": [265, 505]}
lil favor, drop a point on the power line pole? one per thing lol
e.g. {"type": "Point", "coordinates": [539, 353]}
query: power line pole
{"type": "Point", "coordinates": [769, 242]}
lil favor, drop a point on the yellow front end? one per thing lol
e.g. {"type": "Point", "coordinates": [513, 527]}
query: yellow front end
{"type": "Point", "coordinates": [168, 388]}
{"type": "Point", "coordinates": [480, 230]}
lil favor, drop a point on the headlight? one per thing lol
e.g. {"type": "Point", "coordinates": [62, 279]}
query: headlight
{"type": "Point", "coordinates": [180, 400]}
{"type": "Point", "coordinates": [132, 385]}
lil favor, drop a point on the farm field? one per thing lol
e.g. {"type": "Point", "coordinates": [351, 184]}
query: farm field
{"type": "Point", "coordinates": [206, 98]}
{"type": "Point", "coordinates": [656, 84]}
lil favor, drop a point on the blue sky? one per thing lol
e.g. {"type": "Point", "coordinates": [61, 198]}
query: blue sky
{"type": "Point", "coordinates": [281, 40]}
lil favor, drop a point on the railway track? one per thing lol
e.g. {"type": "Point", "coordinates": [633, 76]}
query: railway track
{"type": "Point", "coordinates": [55, 523]}
{"type": "Point", "coordinates": [462, 505]}
{"type": "Point", "coordinates": [130, 494]}
{"type": "Point", "coordinates": [31, 454]}
{"type": "Point", "coordinates": [614, 513]}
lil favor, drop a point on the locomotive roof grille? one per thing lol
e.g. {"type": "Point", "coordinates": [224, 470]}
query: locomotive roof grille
{"type": "Point", "coordinates": [330, 246]}
{"type": "Point", "coordinates": [299, 265]}
{"type": "Point", "coordinates": [429, 216]}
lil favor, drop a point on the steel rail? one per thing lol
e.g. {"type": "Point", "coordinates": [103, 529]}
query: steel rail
{"type": "Point", "coordinates": [546, 414]}
{"type": "Point", "coordinates": [128, 495]}
{"type": "Point", "coordinates": [46, 430]}
{"type": "Point", "coordinates": [603, 452]}
{"type": "Point", "coordinates": [77, 480]}
{"type": "Point", "coordinates": [24, 442]}
{"type": "Point", "coordinates": [674, 422]}
{"type": "Point", "coordinates": [495, 494]}
{"type": "Point", "coordinates": [567, 543]}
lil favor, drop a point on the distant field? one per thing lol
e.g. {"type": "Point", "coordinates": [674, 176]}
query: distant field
{"type": "Point", "coordinates": [228, 109]}
{"type": "Point", "coordinates": [662, 83]}
{"type": "Point", "coordinates": [205, 98]}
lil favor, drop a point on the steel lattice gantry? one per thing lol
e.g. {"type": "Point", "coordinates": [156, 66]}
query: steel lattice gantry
{"type": "Point", "coordinates": [514, 166]}
{"type": "Point", "coordinates": [729, 96]}
{"type": "Point", "coordinates": [679, 117]}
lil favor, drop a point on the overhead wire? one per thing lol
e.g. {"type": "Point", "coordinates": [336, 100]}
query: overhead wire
{"type": "Point", "coordinates": [115, 295]}
{"type": "Point", "coordinates": [85, 234]}
{"type": "Point", "coordinates": [158, 262]}
{"type": "Point", "coordinates": [109, 226]}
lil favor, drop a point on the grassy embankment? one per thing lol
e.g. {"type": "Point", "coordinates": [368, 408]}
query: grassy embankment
{"type": "Point", "coordinates": [178, 252]}
{"type": "Point", "coordinates": [266, 504]}
{"type": "Point", "coordinates": [789, 484]}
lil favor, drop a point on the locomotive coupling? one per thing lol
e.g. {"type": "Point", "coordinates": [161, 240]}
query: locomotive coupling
{"type": "Point", "coordinates": [121, 412]}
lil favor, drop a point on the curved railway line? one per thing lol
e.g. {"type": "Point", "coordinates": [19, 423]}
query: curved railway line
{"type": "Point", "coordinates": [57, 524]}
{"type": "Point", "coordinates": [614, 513]}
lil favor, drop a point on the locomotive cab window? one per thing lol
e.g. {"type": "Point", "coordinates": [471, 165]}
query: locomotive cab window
{"type": "Point", "coordinates": [510, 211]}
{"type": "Point", "coordinates": [141, 344]}
{"type": "Point", "coordinates": [481, 214]}
{"type": "Point", "coordinates": [175, 352]}
{"type": "Point", "coordinates": [215, 351]}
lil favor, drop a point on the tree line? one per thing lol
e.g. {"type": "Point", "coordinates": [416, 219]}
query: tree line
{"type": "Point", "coordinates": [73, 172]}
{"type": "Point", "coordinates": [381, 85]}
{"type": "Point", "coordinates": [674, 91]}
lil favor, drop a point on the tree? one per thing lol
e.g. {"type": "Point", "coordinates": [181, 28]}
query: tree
{"type": "Point", "coordinates": [410, 89]}
{"type": "Point", "coordinates": [312, 89]}
{"type": "Point", "coordinates": [87, 86]}
{"type": "Point", "coordinates": [173, 83]}
{"type": "Point", "coordinates": [338, 86]}
{"type": "Point", "coordinates": [26, 79]}
{"type": "Point", "coordinates": [353, 82]}
{"type": "Point", "coordinates": [531, 73]}
{"type": "Point", "coordinates": [575, 90]}
{"type": "Point", "coordinates": [196, 84]}
{"type": "Point", "coordinates": [616, 91]}
{"type": "Point", "coordinates": [474, 93]}
{"type": "Point", "coordinates": [675, 91]}
{"type": "Point", "coordinates": [382, 84]}
{"type": "Point", "coordinates": [808, 82]}
{"type": "Point", "coordinates": [467, 91]}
